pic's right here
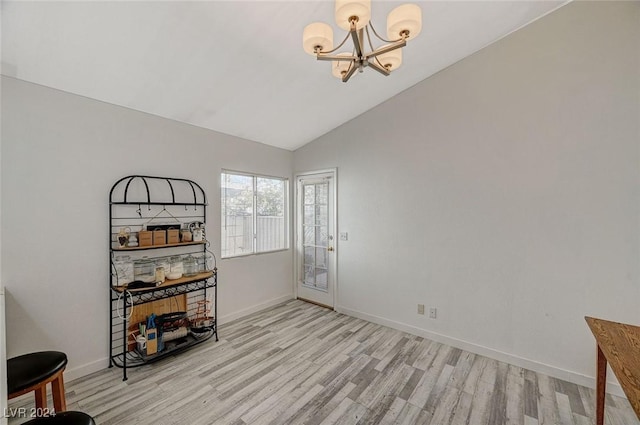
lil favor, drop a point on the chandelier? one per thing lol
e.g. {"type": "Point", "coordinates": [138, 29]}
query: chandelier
{"type": "Point", "coordinates": [403, 23]}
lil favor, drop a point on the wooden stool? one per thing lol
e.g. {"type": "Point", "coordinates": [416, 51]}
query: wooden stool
{"type": "Point", "coordinates": [32, 372]}
{"type": "Point", "coordinates": [64, 418]}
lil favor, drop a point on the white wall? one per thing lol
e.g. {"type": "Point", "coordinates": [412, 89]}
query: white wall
{"type": "Point", "coordinates": [504, 191]}
{"type": "Point", "coordinates": [61, 154]}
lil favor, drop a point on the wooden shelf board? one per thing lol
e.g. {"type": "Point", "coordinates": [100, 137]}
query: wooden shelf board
{"type": "Point", "coordinates": [168, 245]}
{"type": "Point", "coordinates": [169, 283]}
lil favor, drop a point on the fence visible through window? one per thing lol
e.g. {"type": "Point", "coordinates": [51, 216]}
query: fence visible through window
{"type": "Point", "coordinates": [237, 237]}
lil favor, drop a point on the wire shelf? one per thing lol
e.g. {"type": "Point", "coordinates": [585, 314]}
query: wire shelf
{"type": "Point", "coordinates": [135, 203]}
{"type": "Point", "coordinates": [134, 358]}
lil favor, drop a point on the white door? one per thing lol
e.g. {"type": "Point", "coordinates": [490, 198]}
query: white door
{"type": "Point", "coordinates": [315, 237]}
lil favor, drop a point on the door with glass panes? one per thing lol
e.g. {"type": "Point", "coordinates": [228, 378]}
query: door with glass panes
{"type": "Point", "coordinates": [315, 237]}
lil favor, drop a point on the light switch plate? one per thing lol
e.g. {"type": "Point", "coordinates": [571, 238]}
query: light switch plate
{"type": "Point", "coordinates": [344, 236]}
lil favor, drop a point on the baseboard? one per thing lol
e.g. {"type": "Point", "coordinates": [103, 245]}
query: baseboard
{"type": "Point", "coordinates": [570, 376]}
{"type": "Point", "coordinates": [566, 375]}
{"type": "Point", "coordinates": [86, 369]}
{"type": "Point", "coordinates": [253, 309]}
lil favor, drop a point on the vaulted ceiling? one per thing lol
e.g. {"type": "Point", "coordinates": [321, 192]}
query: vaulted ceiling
{"type": "Point", "coordinates": [236, 67]}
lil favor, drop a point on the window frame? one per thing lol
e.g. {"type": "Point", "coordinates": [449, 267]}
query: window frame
{"type": "Point", "coordinates": [287, 213]}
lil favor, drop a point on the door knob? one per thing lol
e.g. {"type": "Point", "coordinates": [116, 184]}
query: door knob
{"type": "Point", "coordinates": [330, 248]}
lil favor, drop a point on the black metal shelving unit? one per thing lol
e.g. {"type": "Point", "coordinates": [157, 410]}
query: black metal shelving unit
{"type": "Point", "coordinates": [135, 201]}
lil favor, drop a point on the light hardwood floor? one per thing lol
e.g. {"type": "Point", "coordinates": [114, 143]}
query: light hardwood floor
{"type": "Point", "coordinates": [298, 363]}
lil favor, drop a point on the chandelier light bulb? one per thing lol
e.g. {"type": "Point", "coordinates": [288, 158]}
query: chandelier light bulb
{"type": "Point", "coordinates": [404, 21]}
{"type": "Point", "coordinates": [346, 9]}
{"type": "Point", "coordinates": [391, 60]}
{"type": "Point", "coordinates": [317, 36]}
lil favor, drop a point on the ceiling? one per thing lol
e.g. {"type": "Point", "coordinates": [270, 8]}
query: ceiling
{"type": "Point", "coordinates": [236, 67]}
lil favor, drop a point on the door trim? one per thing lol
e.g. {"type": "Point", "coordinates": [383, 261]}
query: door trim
{"type": "Point", "coordinates": [297, 219]}
{"type": "Point", "coordinates": [316, 303]}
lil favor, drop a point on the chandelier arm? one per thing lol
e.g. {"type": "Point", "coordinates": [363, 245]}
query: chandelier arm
{"type": "Point", "coordinates": [369, 38]}
{"type": "Point", "coordinates": [356, 39]}
{"type": "Point", "coordinates": [383, 39]}
{"type": "Point", "coordinates": [386, 49]}
{"type": "Point", "coordinates": [350, 72]}
{"type": "Point", "coordinates": [336, 58]}
{"type": "Point", "coordinates": [352, 64]}
{"type": "Point", "coordinates": [378, 62]}
{"type": "Point", "coordinates": [333, 50]}
{"type": "Point", "coordinates": [381, 69]}
{"type": "Point", "coordinates": [371, 47]}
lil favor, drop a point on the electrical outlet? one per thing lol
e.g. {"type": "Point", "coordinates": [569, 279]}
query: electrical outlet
{"type": "Point", "coordinates": [420, 308]}
{"type": "Point", "coordinates": [433, 313]}
{"type": "Point", "coordinates": [344, 236]}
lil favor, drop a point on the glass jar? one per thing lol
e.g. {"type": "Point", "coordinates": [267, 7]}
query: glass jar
{"type": "Point", "coordinates": [185, 235]}
{"type": "Point", "coordinates": [123, 271]}
{"type": "Point", "coordinates": [175, 268]}
{"type": "Point", "coordinates": [205, 262]}
{"type": "Point", "coordinates": [190, 266]}
{"type": "Point", "coordinates": [164, 263]}
{"type": "Point", "coordinates": [144, 270]}
{"type": "Point", "coordinates": [200, 259]}
{"type": "Point", "coordinates": [197, 234]}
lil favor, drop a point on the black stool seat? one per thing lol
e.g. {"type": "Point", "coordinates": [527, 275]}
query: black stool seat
{"type": "Point", "coordinates": [30, 369]}
{"type": "Point", "coordinates": [64, 418]}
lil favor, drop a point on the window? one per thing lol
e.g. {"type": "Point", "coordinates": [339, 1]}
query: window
{"type": "Point", "coordinates": [254, 214]}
